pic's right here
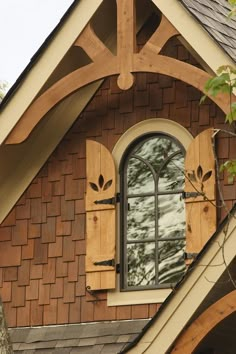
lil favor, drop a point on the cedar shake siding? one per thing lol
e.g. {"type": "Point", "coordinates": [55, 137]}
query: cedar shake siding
{"type": "Point", "coordinates": [42, 241]}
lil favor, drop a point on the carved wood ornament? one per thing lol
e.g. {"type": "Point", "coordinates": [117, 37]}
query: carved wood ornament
{"type": "Point", "coordinates": [126, 62]}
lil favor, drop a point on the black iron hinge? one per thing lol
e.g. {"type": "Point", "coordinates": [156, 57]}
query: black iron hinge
{"type": "Point", "coordinates": [118, 268]}
{"type": "Point", "coordinates": [107, 263]}
{"type": "Point", "coordinates": [186, 195]}
{"type": "Point", "coordinates": [190, 255]}
{"type": "Point", "coordinates": [111, 201]}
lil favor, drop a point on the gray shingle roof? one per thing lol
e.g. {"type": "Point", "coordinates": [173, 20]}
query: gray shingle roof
{"type": "Point", "coordinates": [212, 14]}
{"type": "Point", "coordinates": [89, 338]}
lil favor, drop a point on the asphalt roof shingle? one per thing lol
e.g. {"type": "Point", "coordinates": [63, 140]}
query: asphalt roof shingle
{"type": "Point", "coordinates": [213, 16]}
{"type": "Point", "coordinates": [89, 338]}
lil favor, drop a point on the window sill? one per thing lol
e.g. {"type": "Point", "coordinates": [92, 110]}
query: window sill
{"type": "Point", "coordinates": [118, 298]}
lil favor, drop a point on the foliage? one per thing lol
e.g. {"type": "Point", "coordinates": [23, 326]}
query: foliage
{"type": "Point", "coordinates": [230, 167]}
{"type": "Point", "coordinates": [233, 5]}
{"type": "Point", "coordinates": [225, 82]}
{"type": "Point", "coordinates": [3, 89]}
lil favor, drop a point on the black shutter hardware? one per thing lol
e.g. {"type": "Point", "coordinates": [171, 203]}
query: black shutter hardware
{"type": "Point", "coordinates": [108, 263]}
{"type": "Point", "coordinates": [190, 255]}
{"type": "Point", "coordinates": [110, 201]}
{"type": "Point", "coordinates": [186, 195]}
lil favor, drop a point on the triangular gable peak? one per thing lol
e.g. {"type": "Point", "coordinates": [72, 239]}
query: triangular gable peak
{"type": "Point", "coordinates": [64, 84]}
{"type": "Point", "coordinates": [126, 61]}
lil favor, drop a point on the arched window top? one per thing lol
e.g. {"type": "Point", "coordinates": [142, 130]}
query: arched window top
{"type": "Point", "coordinates": [152, 213]}
{"type": "Point", "coordinates": [156, 159]}
{"type": "Point", "coordinates": [150, 126]}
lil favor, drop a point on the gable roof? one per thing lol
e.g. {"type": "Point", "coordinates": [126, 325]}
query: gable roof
{"type": "Point", "coordinates": [188, 295]}
{"type": "Point", "coordinates": [213, 16]}
{"type": "Point", "coordinates": [48, 132]}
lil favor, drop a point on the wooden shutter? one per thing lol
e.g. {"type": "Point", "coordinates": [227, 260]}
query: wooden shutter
{"type": "Point", "coordinates": [200, 176]}
{"type": "Point", "coordinates": [100, 218]}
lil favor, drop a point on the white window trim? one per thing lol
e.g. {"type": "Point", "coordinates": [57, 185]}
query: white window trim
{"type": "Point", "coordinates": [162, 125]}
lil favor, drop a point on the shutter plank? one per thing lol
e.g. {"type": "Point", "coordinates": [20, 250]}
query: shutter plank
{"type": "Point", "coordinates": [200, 156]}
{"type": "Point", "coordinates": [200, 213]}
{"type": "Point", "coordinates": [99, 166]}
{"type": "Point", "coordinates": [100, 218]}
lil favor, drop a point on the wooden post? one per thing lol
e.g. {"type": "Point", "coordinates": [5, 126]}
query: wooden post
{"type": "Point", "coordinates": [126, 41]}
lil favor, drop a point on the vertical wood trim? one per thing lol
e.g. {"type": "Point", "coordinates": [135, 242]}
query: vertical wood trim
{"type": "Point", "coordinates": [126, 41]}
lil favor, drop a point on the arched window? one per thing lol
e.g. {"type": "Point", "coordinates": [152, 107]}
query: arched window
{"type": "Point", "coordinates": [144, 233]}
{"type": "Point", "coordinates": [152, 213]}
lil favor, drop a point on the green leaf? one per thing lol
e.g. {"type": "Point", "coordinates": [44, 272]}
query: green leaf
{"type": "Point", "coordinates": [230, 167]}
{"type": "Point", "coordinates": [231, 116]}
{"type": "Point", "coordinates": [218, 84]}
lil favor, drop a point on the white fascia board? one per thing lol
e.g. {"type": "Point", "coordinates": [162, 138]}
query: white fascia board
{"type": "Point", "coordinates": [192, 31]}
{"type": "Point", "coordinates": [46, 64]}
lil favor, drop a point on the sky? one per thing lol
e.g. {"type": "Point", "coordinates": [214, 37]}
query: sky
{"type": "Point", "coordinates": [25, 24]}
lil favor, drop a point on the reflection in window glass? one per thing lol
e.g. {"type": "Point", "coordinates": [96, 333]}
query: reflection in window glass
{"type": "Point", "coordinates": [171, 216]}
{"type": "Point", "coordinates": [153, 215]}
{"type": "Point", "coordinates": [141, 264]}
{"type": "Point", "coordinates": [141, 218]}
{"type": "Point", "coordinates": [171, 261]}
{"type": "Point", "coordinates": [139, 177]}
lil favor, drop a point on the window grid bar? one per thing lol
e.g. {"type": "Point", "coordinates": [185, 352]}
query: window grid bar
{"type": "Point", "coordinates": [152, 194]}
{"type": "Point", "coordinates": [154, 240]}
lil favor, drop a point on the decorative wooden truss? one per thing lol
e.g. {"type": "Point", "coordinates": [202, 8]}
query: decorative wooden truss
{"type": "Point", "coordinates": [193, 335]}
{"type": "Point", "coordinates": [126, 62]}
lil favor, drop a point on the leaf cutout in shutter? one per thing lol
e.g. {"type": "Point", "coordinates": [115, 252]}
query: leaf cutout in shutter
{"type": "Point", "coordinates": [199, 172]}
{"type": "Point", "coordinates": [107, 185]}
{"type": "Point", "coordinates": [100, 181]}
{"type": "Point", "coordinates": [206, 176]}
{"type": "Point", "coordinates": [192, 176]}
{"type": "Point", "coordinates": [93, 186]}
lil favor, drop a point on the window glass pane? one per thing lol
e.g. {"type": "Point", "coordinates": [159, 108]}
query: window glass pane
{"type": "Point", "coordinates": [140, 218]}
{"type": "Point", "coordinates": [139, 177]}
{"type": "Point", "coordinates": [171, 175]}
{"type": "Point", "coordinates": [141, 264]}
{"type": "Point", "coordinates": [171, 213]}
{"type": "Point", "coordinates": [156, 150]}
{"type": "Point", "coordinates": [153, 213]}
{"type": "Point", "coordinates": [171, 261]}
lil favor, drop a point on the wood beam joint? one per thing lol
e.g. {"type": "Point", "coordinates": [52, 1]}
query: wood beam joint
{"type": "Point", "coordinates": [163, 33]}
{"type": "Point", "coordinates": [92, 45]}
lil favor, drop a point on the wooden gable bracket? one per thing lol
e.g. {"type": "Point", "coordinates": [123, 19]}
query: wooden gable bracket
{"type": "Point", "coordinates": [126, 62]}
{"type": "Point", "coordinates": [201, 326]}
